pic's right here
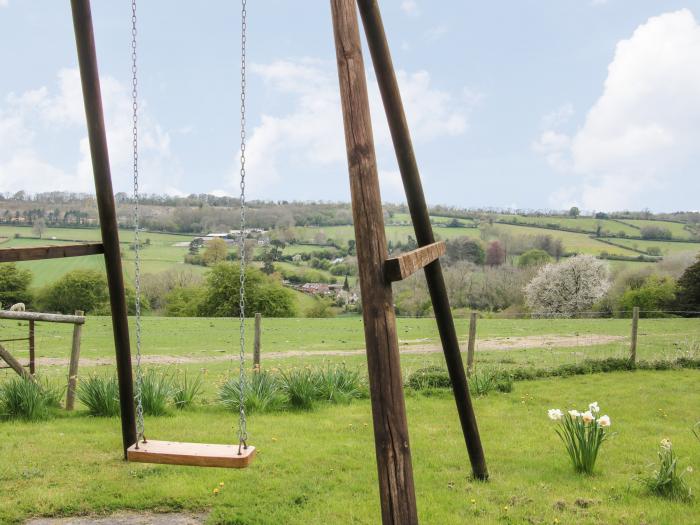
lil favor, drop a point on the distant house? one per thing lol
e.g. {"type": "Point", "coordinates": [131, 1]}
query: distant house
{"type": "Point", "coordinates": [316, 289]}
{"type": "Point", "coordinates": [338, 260]}
{"type": "Point", "coordinates": [296, 257]}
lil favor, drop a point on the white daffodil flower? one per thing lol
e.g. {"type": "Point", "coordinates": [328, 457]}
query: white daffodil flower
{"type": "Point", "coordinates": [555, 414]}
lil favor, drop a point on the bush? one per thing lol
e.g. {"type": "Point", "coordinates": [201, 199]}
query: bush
{"type": "Point", "coordinates": [429, 378]}
{"type": "Point", "coordinates": [157, 392]}
{"type": "Point", "coordinates": [100, 395]}
{"type": "Point", "coordinates": [322, 308]}
{"type": "Point", "coordinates": [183, 301]}
{"type": "Point", "coordinates": [84, 290]}
{"type": "Point", "coordinates": [186, 390]}
{"type": "Point", "coordinates": [262, 393]}
{"type": "Point", "coordinates": [655, 232]}
{"type": "Point", "coordinates": [655, 294]}
{"type": "Point", "coordinates": [482, 382]}
{"type": "Point", "coordinates": [665, 481]}
{"type": "Point", "coordinates": [534, 258]}
{"type": "Point", "coordinates": [14, 285]}
{"type": "Point", "coordinates": [27, 400]}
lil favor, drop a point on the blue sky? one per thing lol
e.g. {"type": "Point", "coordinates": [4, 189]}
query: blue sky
{"type": "Point", "coordinates": [528, 104]}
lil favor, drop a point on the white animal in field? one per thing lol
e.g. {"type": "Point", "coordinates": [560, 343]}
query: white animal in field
{"type": "Point", "coordinates": [18, 307]}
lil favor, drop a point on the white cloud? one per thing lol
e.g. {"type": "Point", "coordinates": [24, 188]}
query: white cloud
{"type": "Point", "coordinates": [40, 130]}
{"type": "Point", "coordinates": [558, 117]}
{"type": "Point", "coordinates": [436, 32]}
{"type": "Point", "coordinates": [410, 7]}
{"type": "Point", "coordinates": [645, 126]}
{"type": "Point", "coordinates": [4, 3]}
{"type": "Point", "coordinates": [311, 134]}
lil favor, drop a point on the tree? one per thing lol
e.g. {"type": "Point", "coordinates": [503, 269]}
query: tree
{"type": "Point", "coordinates": [655, 294]}
{"type": "Point", "coordinates": [574, 212]}
{"type": "Point", "coordinates": [465, 249]}
{"type": "Point", "coordinates": [195, 245]}
{"type": "Point", "coordinates": [263, 294]}
{"type": "Point", "coordinates": [14, 285]}
{"type": "Point", "coordinates": [655, 232]}
{"type": "Point", "coordinates": [534, 258]}
{"type": "Point", "coordinates": [215, 252]}
{"type": "Point", "coordinates": [567, 288]}
{"type": "Point", "coordinates": [346, 284]}
{"type": "Point", "coordinates": [183, 301]}
{"type": "Point", "coordinates": [495, 254]}
{"type": "Point", "coordinates": [689, 290]}
{"type": "Point", "coordinates": [84, 290]}
{"type": "Point", "coordinates": [39, 228]}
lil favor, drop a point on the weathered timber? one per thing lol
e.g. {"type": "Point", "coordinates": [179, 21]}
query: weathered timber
{"type": "Point", "coordinates": [73, 366]}
{"type": "Point", "coordinates": [633, 336]}
{"type": "Point", "coordinates": [35, 253]}
{"type": "Point", "coordinates": [32, 349]}
{"type": "Point", "coordinates": [92, 99]}
{"type": "Point", "coordinates": [191, 454]}
{"type": "Point", "coordinates": [396, 486]}
{"type": "Point", "coordinates": [14, 364]}
{"type": "Point", "coordinates": [408, 166]}
{"type": "Point", "coordinates": [406, 264]}
{"type": "Point", "coordinates": [256, 342]}
{"type": "Point", "coordinates": [471, 343]}
{"type": "Point", "coordinates": [40, 316]}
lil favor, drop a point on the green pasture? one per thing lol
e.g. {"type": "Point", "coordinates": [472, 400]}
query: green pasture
{"type": "Point", "coordinates": [677, 229]}
{"type": "Point", "coordinates": [666, 247]}
{"type": "Point", "coordinates": [319, 466]}
{"type": "Point", "coordinates": [585, 224]}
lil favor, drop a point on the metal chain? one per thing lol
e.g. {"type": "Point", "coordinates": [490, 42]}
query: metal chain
{"type": "Point", "coordinates": [242, 424]}
{"type": "Point", "coordinates": [140, 429]}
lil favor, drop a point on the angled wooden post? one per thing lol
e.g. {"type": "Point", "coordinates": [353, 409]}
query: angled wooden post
{"type": "Point", "coordinates": [471, 343]}
{"type": "Point", "coordinates": [32, 349]}
{"type": "Point", "coordinates": [396, 487]}
{"type": "Point", "coordinates": [92, 99]}
{"type": "Point", "coordinates": [633, 337]}
{"type": "Point", "coordinates": [256, 343]}
{"type": "Point", "coordinates": [408, 166]}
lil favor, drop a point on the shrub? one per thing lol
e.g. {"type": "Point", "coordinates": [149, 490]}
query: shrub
{"type": "Point", "coordinates": [655, 293]}
{"type": "Point", "coordinates": [26, 399]}
{"type": "Point", "coordinates": [84, 290]}
{"type": "Point", "coordinates": [339, 384]}
{"type": "Point", "coordinates": [100, 395]}
{"type": "Point", "coordinates": [157, 392]}
{"type": "Point", "coordinates": [534, 258]}
{"type": "Point", "coordinates": [183, 301]}
{"type": "Point", "coordinates": [483, 382]}
{"type": "Point", "coordinates": [186, 390]}
{"type": "Point", "coordinates": [263, 393]}
{"type": "Point", "coordinates": [665, 481]}
{"type": "Point", "coordinates": [301, 387]}
{"type": "Point", "coordinates": [14, 285]}
{"type": "Point", "coordinates": [582, 435]}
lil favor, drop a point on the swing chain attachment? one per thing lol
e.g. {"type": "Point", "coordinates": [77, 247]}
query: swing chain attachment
{"type": "Point", "coordinates": [140, 429]}
{"type": "Point", "coordinates": [242, 424]}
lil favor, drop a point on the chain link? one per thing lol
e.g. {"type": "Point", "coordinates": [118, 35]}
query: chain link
{"type": "Point", "coordinates": [140, 429]}
{"type": "Point", "coordinates": [242, 424]}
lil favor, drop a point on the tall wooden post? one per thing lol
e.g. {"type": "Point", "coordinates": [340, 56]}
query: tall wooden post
{"type": "Point", "coordinates": [633, 337]}
{"type": "Point", "coordinates": [32, 348]}
{"type": "Point", "coordinates": [471, 343]}
{"type": "Point", "coordinates": [256, 343]}
{"type": "Point", "coordinates": [73, 365]}
{"type": "Point", "coordinates": [396, 488]}
{"type": "Point", "coordinates": [408, 166]}
{"type": "Point", "coordinates": [92, 98]}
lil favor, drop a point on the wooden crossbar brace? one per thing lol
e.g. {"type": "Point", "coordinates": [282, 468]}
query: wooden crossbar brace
{"type": "Point", "coordinates": [35, 253]}
{"type": "Point", "coordinates": [406, 264]}
{"type": "Point", "coordinates": [40, 316]}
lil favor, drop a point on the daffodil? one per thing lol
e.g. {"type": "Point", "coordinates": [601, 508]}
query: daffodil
{"type": "Point", "coordinates": [587, 416]}
{"type": "Point", "coordinates": [555, 414]}
{"type": "Point", "coordinates": [574, 413]}
{"type": "Point", "coordinates": [604, 421]}
{"type": "Point", "coordinates": [593, 407]}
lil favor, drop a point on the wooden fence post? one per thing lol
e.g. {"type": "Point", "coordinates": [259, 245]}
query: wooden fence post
{"type": "Point", "coordinates": [256, 343]}
{"type": "Point", "coordinates": [633, 338]}
{"type": "Point", "coordinates": [32, 356]}
{"type": "Point", "coordinates": [73, 367]}
{"type": "Point", "coordinates": [471, 343]}
{"type": "Point", "coordinates": [14, 364]}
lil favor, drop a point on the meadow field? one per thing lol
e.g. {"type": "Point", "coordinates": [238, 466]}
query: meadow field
{"type": "Point", "coordinates": [318, 466]}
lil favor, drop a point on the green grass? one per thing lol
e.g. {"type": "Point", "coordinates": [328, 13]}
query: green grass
{"type": "Point", "coordinates": [317, 467]}
{"type": "Point", "coordinates": [585, 224]}
{"type": "Point", "coordinates": [667, 248]}
{"type": "Point", "coordinates": [676, 229]}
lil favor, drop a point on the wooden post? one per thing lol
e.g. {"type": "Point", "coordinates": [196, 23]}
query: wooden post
{"type": "Point", "coordinates": [408, 166]}
{"type": "Point", "coordinates": [396, 487]}
{"type": "Point", "coordinates": [471, 343]}
{"type": "Point", "coordinates": [32, 357]}
{"type": "Point", "coordinates": [256, 343]}
{"type": "Point", "coordinates": [633, 338]}
{"type": "Point", "coordinates": [92, 99]}
{"type": "Point", "coordinates": [14, 364]}
{"type": "Point", "coordinates": [73, 367]}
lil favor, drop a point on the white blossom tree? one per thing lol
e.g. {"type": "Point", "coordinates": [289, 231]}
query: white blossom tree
{"type": "Point", "coordinates": [569, 287]}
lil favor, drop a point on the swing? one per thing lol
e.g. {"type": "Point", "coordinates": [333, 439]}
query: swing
{"type": "Point", "coordinates": [171, 452]}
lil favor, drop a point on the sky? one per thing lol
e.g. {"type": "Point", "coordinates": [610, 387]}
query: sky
{"type": "Point", "coordinates": [527, 104]}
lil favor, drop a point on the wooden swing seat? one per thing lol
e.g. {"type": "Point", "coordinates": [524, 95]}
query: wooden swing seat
{"type": "Point", "coordinates": [192, 454]}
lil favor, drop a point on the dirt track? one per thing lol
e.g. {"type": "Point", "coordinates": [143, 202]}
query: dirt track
{"type": "Point", "coordinates": [498, 343]}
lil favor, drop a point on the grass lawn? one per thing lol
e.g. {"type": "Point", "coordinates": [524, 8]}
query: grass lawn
{"type": "Point", "coordinates": [677, 229]}
{"type": "Point", "coordinates": [319, 467]}
{"type": "Point", "coordinates": [667, 248]}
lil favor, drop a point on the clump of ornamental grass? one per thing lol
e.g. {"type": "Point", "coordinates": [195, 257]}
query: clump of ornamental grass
{"type": "Point", "coordinates": [301, 387]}
{"type": "Point", "coordinates": [339, 384]}
{"type": "Point", "coordinates": [157, 391]}
{"type": "Point", "coordinates": [186, 389]}
{"type": "Point", "coordinates": [666, 480]}
{"type": "Point", "coordinates": [582, 433]}
{"type": "Point", "coordinates": [262, 392]}
{"type": "Point", "coordinates": [27, 399]}
{"type": "Point", "coordinates": [100, 395]}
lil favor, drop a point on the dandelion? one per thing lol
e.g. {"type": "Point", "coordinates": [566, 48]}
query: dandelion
{"type": "Point", "coordinates": [604, 421]}
{"type": "Point", "coordinates": [593, 407]}
{"type": "Point", "coordinates": [216, 492]}
{"type": "Point", "coordinates": [587, 416]}
{"type": "Point", "coordinates": [221, 484]}
{"type": "Point", "coordinates": [274, 439]}
{"type": "Point", "coordinates": [555, 414]}
{"type": "Point", "coordinates": [473, 501]}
